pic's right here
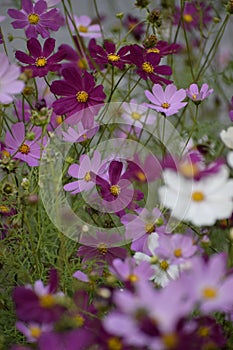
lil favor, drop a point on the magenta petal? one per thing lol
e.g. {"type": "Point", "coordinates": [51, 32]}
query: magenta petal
{"type": "Point", "coordinates": [62, 88]}
{"type": "Point", "coordinates": [65, 105]}
{"type": "Point", "coordinates": [31, 32]}
{"type": "Point", "coordinates": [34, 47]}
{"type": "Point", "coordinates": [24, 58]}
{"type": "Point", "coordinates": [49, 46]}
{"type": "Point", "coordinates": [19, 24]}
{"type": "Point", "coordinates": [27, 6]}
{"type": "Point", "coordinates": [16, 14]}
{"type": "Point", "coordinates": [115, 170]}
{"type": "Point", "coordinates": [40, 7]}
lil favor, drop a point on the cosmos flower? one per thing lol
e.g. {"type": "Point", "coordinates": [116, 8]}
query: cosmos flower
{"type": "Point", "coordinates": [82, 99]}
{"type": "Point", "coordinates": [85, 28]}
{"type": "Point", "coordinates": [200, 202]}
{"type": "Point", "coordinates": [39, 60]}
{"type": "Point", "coordinates": [163, 48]}
{"type": "Point", "coordinates": [194, 94]}
{"type": "Point", "coordinates": [148, 65]}
{"type": "Point", "coordinates": [33, 331]}
{"type": "Point", "coordinates": [133, 24]}
{"type": "Point", "coordinates": [167, 102]}
{"type": "Point", "coordinates": [137, 114]}
{"type": "Point", "coordinates": [78, 133]}
{"type": "Point", "coordinates": [36, 19]}
{"type": "Point", "coordinates": [227, 137]}
{"type": "Point", "coordinates": [18, 145]}
{"type": "Point", "coordinates": [9, 83]}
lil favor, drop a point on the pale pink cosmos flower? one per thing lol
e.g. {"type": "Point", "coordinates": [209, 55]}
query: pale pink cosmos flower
{"type": "Point", "coordinates": [85, 28]}
{"type": "Point", "coordinates": [195, 95]}
{"type": "Point", "coordinates": [78, 133]}
{"type": "Point", "coordinates": [167, 102]}
{"type": "Point", "coordinates": [9, 83]}
{"type": "Point", "coordinates": [33, 330]}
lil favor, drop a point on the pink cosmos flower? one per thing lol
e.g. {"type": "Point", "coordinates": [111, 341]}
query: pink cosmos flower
{"type": "Point", "coordinates": [9, 83]}
{"type": "Point", "coordinates": [39, 60]}
{"type": "Point", "coordinates": [82, 172]}
{"type": "Point", "coordinates": [33, 330]}
{"type": "Point", "coordinates": [194, 94]}
{"type": "Point", "coordinates": [167, 102]}
{"type": "Point", "coordinates": [78, 133]}
{"type": "Point", "coordinates": [20, 147]}
{"type": "Point", "coordinates": [85, 28]}
{"type": "Point", "coordinates": [136, 114]}
{"type": "Point", "coordinates": [36, 19]}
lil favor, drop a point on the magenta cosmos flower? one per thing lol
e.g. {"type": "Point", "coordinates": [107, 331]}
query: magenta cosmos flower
{"type": "Point", "coordinates": [20, 147]}
{"type": "Point", "coordinates": [194, 94]}
{"type": "Point", "coordinates": [36, 19]}
{"type": "Point", "coordinates": [79, 93]}
{"type": "Point", "coordinates": [9, 83]}
{"type": "Point", "coordinates": [109, 55]}
{"type": "Point", "coordinates": [167, 102]}
{"type": "Point", "coordinates": [135, 26]}
{"type": "Point", "coordinates": [85, 27]}
{"type": "Point", "coordinates": [148, 65]}
{"type": "Point", "coordinates": [40, 61]}
{"type": "Point", "coordinates": [163, 48]}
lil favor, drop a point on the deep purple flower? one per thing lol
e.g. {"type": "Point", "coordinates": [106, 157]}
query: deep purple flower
{"type": "Point", "coordinates": [109, 54]}
{"type": "Point", "coordinates": [79, 93]}
{"type": "Point", "coordinates": [163, 48]}
{"type": "Point", "coordinates": [76, 57]}
{"type": "Point", "coordinates": [40, 61]}
{"type": "Point", "coordinates": [27, 150]}
{"type": "Point", "coordinates": [231, 110]}
{"type": "Point", "coordinates": [144, 172]}
{"type": "Point", "coordinates": [133, 24]}
{"type": "Point", "coordinates": [36, 19]}
{"type": "Point", "coordinates": [148, 65]}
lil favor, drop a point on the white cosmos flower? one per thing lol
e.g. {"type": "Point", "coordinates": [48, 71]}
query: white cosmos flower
{"type": "Point", "coordinates": [200, 202]}
{"type": "Point", "coordinates": [227, 137]}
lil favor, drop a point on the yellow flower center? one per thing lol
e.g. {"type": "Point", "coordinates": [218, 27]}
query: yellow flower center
{"type": "Point", "coordinates": [188, 169]}
{"type": "Point", "coordinates": [87, 176]}
{"type": "Point", "coordinates": [78, 320]}
{"type": "Point", "coordinates": [177, 252]}
{"type": "Point", "coordinates": [209, 293]}
{"type": "Point", "coordinates": [164, 265]}
{"type": "Point", "coordinates": [115, 190]}
{"type": "Point", "coordinates": [35, 332]}
{"type": "Point", "coordinates": [136, 115]}
{"type": "Point", "coordinates": [24, 149]}
{"type": "Point", "coordinates": [41, 62]}
{"type": "Point", "coordinates": [149, 227]}
{"type": "Point", "coordinates": [114, 343]}
{"type": "Point", "coordinates": [47, 301]}
{"type": "Point", "coordinates": [147, 67]}
{"type": "Point", "coordinates": [83, 29]}
{"type": "Point", "coordinates": [102, 248]}
{"type": "Point", "coordinates": [154, 50]}
{"type": "Point", "coordinates": [170, 340]}
{"type": "Point", "coordinates": [112, 57]}
{"type": "Point", "coordinates": [194, 96]}
{"type": "Point", "coordinates": [203, 331]}
{"type": "Point", "coordinates": [187, 18]}
{"type": "Point", "coordinates": [165, 105]}
{"type": "Point", "coordinates": [33, 18]}
{"type": "Point", "coordinates": [82, 96]}
{"type": "Point", "coordinates": [59, 119]}
{"type": "Point", "coordinates": [82, 63]}
{"type": "Point", "coordinates": [133, 278]}
{"type": "Point", "coordinates": [4, 209]}
{"type": "Point", "coordinates": [198, 196]}
{"type": "Point", "coordinates": [141, 176]}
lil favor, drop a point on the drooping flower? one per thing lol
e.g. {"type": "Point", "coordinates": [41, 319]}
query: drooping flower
{"type": "Point", "coordinates": [196, 96]}
{"type": "Point", "coordinates": [36, 19]}
{"type": "Point", "coordinates": [167, 102]}
{"type": "Point", "coordinates": [85, 27]}
{"type": "Point", "coordinates": [163, 48]}
{"type": "Point", "coordinates": [108, 54]}
{"type": "Point", "coordinates": [40, 61]}
{"type": "Point", "coordinates": [18, 145]}
{"type": "Point", "coordinates": [148, 65]}
{"type": "Point", "coordinates": [202, 202]}
{"type": "Point", "coordinates": [134, 26]}
{"type": "Point", "coordinates": [82, 99]}
{"type": "Point", "coordinates": [9, 83]}
{"type": "Point", "coordinates": [82, 172]}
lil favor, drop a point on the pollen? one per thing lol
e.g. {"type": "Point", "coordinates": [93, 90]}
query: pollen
{"type": "Point", "coordinates": [141, 176]}
{"type": "Point", "coordinates": [41, 62]}
{"type": "Point", "coordinates": [102, 248]}
{"type": "Point", "coordinates": [83, 29]}
{"type": "Point", "coordinates": [203, 331]}
{"type": "Point", "coordinates": [78, 320]}
{"type": "Point", "coordinates": [35, 332]}
{"type": "Point", "coordinates": [115, 190]}
{"type": "Point", "coordinates": [165, 105]}
{"type": "Point", "coordinates": [47, 301]}
{"type": "Point", "coordinates": [112, 57]}
{"type": "Point", "coordinates": [194, 96]}
{"type": "Point", "coordinates": [24, 149]}
{"type": "Point", "coordinates": [147, 67]}
{"type": "Point", "coordinates": [198, 196]}
{"type": "Point", "coordinates": [153, 50]}
{"type": "Point", "coordinates": [136, 115]}
{"type": "Point", "coordinates": [59, 119]}
{"type": "Point", "coordinates": [114, 343]}
{"type": "Point", "coordinates": [33, 18]}
{"type": "Point", "coordinates": [133, 278]}
{"type": "Point", "coordinates": [82, 96]}
{"type": "Point", "coordinates": [209, 293]}
{"type": "Point", "coordinates": [82, 63]}
{"type": "Point", "coordinates": [177, 252]}
{"type": "Point", "coordinates": [170, 340]}
{"type": "Point", "coordinates": [149, 227]}
{"type": "Point", "coordinates": [87, 176]}
{"type": "Point", "coordinates": [187, 18]}
{"type": "Point", "coordinates": [4, 209]}
{"type": "Point", "coordinates": [164, 265]}
{"type": "Point", "coordinates": [188, 169]}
